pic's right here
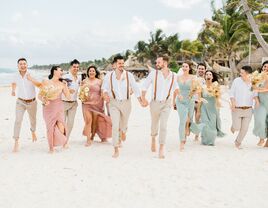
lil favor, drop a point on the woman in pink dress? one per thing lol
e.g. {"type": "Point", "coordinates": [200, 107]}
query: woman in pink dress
{"type": "Point", "coordinates": [53, 110]}
{"type": "Point", "coordinates": [93, 108]}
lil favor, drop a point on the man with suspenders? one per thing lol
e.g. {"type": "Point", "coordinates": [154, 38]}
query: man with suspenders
{"type": "Point", "coordinates": [116, 92]}
{"type": "Point", "coordinates": [163, 86]}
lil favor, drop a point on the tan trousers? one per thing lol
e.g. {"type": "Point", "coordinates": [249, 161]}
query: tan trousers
{"type": "Point", "coordinates": [240, 122]}
{"type": "Point", "coordinates": [159, 114]}
{"type": "Point", "coordinates": [119, 111]}
{"type": "Point", "coordinates": [21, 107]}
{"type": "Point", "coordinates": [69, 113]}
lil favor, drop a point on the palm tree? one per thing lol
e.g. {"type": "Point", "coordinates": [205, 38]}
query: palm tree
{"type": "Point", "coordinates": [256, 5]}
{"type": "Point", "coordinates": [227, 37]}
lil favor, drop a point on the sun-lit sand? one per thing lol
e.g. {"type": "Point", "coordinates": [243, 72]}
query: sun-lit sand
{"type": "Point", "coordinates": [201, 176]}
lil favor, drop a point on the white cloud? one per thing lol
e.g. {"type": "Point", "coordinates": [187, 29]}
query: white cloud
{"type": "Point", "coordinates": [182, 4]}
{"type": "Point", "coordinates": [186, 28]}
{"type": "Point", "coordinates": [17, 17]}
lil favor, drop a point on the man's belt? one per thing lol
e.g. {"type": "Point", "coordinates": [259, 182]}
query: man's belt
{"type": "Point", "coordinates": [27, 101]}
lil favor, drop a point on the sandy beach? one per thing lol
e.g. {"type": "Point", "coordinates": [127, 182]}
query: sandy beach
{"type": "Point", "coordinates": [201, 176]}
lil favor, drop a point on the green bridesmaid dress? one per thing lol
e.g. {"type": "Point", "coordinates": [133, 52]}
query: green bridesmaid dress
{"type": "Point", "coordinates": [260, 116]}
{"type": "Point", "coordinates": [185, 108]}
{"type": "Point", "coordinates": [210, 119]}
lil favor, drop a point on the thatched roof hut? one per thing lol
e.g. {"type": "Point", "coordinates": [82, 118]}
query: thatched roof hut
{"type": "Point", "coordinates": [256, 59]}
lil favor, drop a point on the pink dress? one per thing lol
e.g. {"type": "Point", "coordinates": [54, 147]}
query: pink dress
{"type": "Point", "coordinates": [53, 113]}
{"type": "Point", "coordinates": [95, 104]}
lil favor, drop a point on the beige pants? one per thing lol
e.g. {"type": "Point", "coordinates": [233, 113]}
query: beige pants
{"type": "Point", "coordinates": [240, 122]}
{"type": "Point", "coordinates": [159, 113]}
{"type": "Point", "coordinates": [21, 107]}
{"type": "Point", "coordinates": [69, 113]}
{"type": "Point", "coordinates": [119, 111]}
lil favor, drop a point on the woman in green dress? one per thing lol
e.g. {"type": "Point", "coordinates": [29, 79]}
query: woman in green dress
{"type": "Point", "coordinates": [210, 110]}
{"type": "Point", "coordinates": [185, 103]}
{"type": "Point", "coordinates": [261, 111]}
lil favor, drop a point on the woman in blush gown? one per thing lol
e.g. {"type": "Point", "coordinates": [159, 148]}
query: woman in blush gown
{"type": "Point", "coordinates": [53, 110]}
{"type": "Point", "coordinates": [93, 108]}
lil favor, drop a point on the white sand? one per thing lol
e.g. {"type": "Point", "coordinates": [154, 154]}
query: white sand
{"type": "Point", "coordinates": [219, 176]}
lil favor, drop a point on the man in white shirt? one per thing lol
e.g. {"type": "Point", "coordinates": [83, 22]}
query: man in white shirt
{"type": "Point", "coordinates": [164, 85]}
{"type": "Point", "coordinates": [116, 92]}
{"type": "Point", "coordinates": [242, 97]}
{"type": "Point", "coordinates": [26, 100]}
{"type": "Point", "coordinates": [70, 106]}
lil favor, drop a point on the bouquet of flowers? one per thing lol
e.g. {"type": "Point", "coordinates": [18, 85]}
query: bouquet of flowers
{"type": "Point", "coordinates": [84, 93]}
{"type": "Point", "coordinates": [196, 87]}
{"type": "Point", "coordinates": [215, 91]}
{"type": "Point", "coordinates": [256, 79]}
{"type": "Point", "coordinates": [49, 92]}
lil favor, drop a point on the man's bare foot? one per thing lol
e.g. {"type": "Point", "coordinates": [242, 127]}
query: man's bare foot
{"type": "Point", "coordinates": [153, 145]}
{"type": "Point", "coordinates": [88, 143]}
{"type": "Point", "coordinates": [16, 146]}
{"type": "Point", "coordinates": [232, 130]}
{"type": "Point", "coordinates": [66, 146]}
{"type": "Point", "coordinates": [238, 146]}
{"type": "Point", "coordinates": [266, 143]}
{"type": "Point", "coordinates": [34, 137]}
{"type": "Point", "coordinates": [161, 152]}
{"type": "Point", "coordinates": [51, 150]}
{"type": "Point", "coordinates": [196, 138]}
{"type": "Point", "coordinates": [261, 142]}
{"type": "Point", "coordinates": [182, 146]}
{"type": "Point", "coordinates": [116, 152]}
{"type": "Point", "coordinates": [123, 136]}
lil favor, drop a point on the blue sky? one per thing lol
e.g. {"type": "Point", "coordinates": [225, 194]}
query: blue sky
{"type": "Point", "coordinates": [57, 31]}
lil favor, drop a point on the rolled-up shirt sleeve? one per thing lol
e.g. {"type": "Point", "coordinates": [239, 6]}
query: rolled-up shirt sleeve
{"type": "Point", "coordinates": [134, 85]}
{"type": "Point", "coordinates": [148, 81]}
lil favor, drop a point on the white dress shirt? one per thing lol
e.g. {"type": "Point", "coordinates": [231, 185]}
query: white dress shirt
{"type": "Point", "coordinates": [120, 86]}
{"type": "Point", "coordinates": [163, 84]}
{"type": "Point", "coordinates": [74, 85]}
{"type": "Point", "coordinates": [25, 88]}
{"type": "Point", "coordinates": [242, 93]}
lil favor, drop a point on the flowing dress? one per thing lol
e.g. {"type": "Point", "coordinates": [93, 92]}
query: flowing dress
{"type": "Point", "coordinates": [95, 104]}
{"type": "Point", "coordinates": [185, 108]}
{"type": "Point", "coordinates": [53, 113]}
{"type": "Point", "coordinates": [210, 118]}
{"type": "Point", "coordinates": [261, 116]}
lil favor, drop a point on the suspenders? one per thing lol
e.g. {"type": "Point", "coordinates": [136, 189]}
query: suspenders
{"type": "Point", "coordinates": [112, 88]}
{"type": "Point", "coordinates": [155, 85]}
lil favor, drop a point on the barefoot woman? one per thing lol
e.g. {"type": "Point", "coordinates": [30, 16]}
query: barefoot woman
{"type": "Point", "coordinates": [93, 108]}
{"type": "Point", "coordinates": [53, 109]}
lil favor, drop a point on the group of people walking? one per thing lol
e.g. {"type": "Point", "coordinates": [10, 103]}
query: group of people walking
{"type": "Point", "coordinates": [195, 97]}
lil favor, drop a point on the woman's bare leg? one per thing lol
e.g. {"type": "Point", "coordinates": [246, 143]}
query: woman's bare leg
{"type": "Point", "coordinates": [94, 125]}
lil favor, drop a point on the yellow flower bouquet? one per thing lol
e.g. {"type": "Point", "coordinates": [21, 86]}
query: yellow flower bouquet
{"type": "Point", "coordinates": [84, 94]}
{"type": "Point", "coordinates": [49, 92]}
{"type": "Point", "coordinates": [256, 79]}
{"type": "Point", "coordinates": [196, 87]}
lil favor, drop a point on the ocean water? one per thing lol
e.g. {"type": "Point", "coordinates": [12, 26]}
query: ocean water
{"type": "Point", "coordinates": [6, 75]}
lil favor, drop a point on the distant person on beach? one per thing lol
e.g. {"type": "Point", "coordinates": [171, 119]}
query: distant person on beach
{"type": "Point", "coordinates": [24, 88]}
{"type": "Point", "coordinates": [201, 70]}
{"type": "Point", "coordinates": [70, 106]}
{"type": "Point", "coordinates": [261, 113]}
{"type": "Point", "coordinates": [53, 109]}
{"type": "Point", "coordinates": [164, 87]}
{"type": "Point", "coordinates": [242, 96]}
{"type": "Point", "coordinates": [116, 92]}
{"type": "Point", "coordinates": [93, 108]}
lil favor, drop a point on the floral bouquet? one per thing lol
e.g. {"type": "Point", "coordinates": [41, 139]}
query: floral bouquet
{"type": "Point", "coordinates": [215, 91]}
{"type": "Point", "coordinates": [196, 87]}
{"type": "Point", "coordinates": [49, 92]}
{"type": "Point", "coordinates": [84, 93]}
{"type": "Point", "coordinates": [256, 79]}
